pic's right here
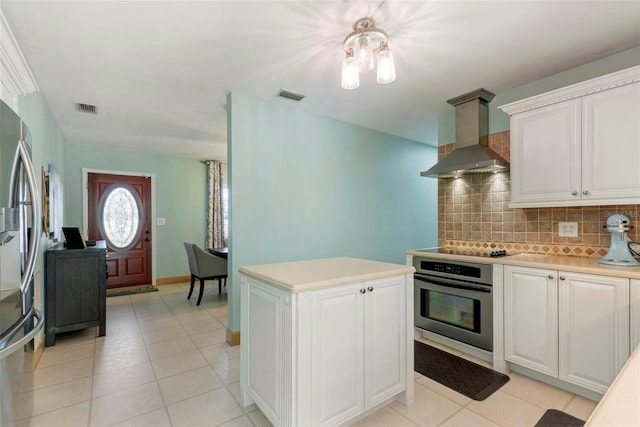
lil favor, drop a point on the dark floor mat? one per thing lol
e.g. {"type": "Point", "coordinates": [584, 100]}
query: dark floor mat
{"type": "Point", "coordinates": [554, 418]}
{"type": "Point", "coordinates": [472, 380]}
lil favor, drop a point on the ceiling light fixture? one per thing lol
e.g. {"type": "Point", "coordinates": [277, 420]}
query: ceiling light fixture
{"type": "Point", "coordinates": [364, 45]}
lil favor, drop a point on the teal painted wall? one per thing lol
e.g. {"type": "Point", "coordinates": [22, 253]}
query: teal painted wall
{"type": "Point", "coordinates": [304, 186]}
{"type": "Point", "coordinates": [47, 146]}
{"type": "Point", "coordinates": [499, 121]}
{"type": "Point", "coordinates": [181, 197]}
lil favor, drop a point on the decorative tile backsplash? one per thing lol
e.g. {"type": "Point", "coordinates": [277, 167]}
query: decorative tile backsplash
{"type": "Point", "coordinates": [474, 213]}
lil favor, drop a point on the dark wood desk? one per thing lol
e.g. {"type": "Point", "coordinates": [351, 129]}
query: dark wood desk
{"type": "Point", "coordinates": [75, 290]}
{"type": "Point", "coordinates": [221, 252]}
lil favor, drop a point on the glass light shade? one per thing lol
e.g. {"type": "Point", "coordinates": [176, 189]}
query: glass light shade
{"type": "Point", "coordinates": [386, 67]}
{"type": "Point", "coordinates": [364, 53]}
{"type": "Point", "coordinates": [350, 76]}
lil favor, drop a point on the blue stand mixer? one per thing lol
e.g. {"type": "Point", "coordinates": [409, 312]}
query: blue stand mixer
{"type": "Point", "coordinates": [619, 253]}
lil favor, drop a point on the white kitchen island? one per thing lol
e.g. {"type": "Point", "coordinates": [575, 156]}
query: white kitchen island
{"type": "Point", "coordinates": [326, 342]}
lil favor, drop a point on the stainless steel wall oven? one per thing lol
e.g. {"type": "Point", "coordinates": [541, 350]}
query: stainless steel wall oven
{"type": "Point", "coordinates": [455, 299]}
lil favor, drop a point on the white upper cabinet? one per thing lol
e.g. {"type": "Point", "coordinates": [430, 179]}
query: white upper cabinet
{"type": "Point", "coordinates": [545, 161]}
{"type": "Point", "coordinates": [579, 145]}
{"type": "Point", "coordinates": [611, 144]}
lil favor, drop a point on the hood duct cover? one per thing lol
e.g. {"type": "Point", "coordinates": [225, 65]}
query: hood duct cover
{"type": "Point", "coordinates": [471, 154]}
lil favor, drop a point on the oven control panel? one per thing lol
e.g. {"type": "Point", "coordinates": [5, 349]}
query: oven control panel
{"type": "Point", "coordinates": [469, 271]}
{"type": "Point", "coordinates": [445, 267]}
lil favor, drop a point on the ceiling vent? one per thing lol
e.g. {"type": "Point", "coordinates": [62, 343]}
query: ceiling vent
{"type": "Point", "coordinates": [290, 95]}
{"type": "Point", "coordinates": [86, 108]}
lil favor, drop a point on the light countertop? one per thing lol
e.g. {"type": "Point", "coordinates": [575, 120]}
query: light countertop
{"type": "Point", "coordinates": [620, 406]}
{"type": "Point", "coordinates": [553, 262]}
{"type": "Point", "coordinates": [300, 276]}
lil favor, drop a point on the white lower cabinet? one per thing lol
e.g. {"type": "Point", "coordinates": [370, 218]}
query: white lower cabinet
{"type": "Point", "coordinates": [359, 346]}
{"type": "Point", "coordinates": [594, 329]}
{"type": "Point", "coordinates": [531, 318]}
{"type": "Point", "coordinates": [634, 303]}
{"type": "Point", "coordinates": [568, 325]}
{"type": "Point", "coordinates": [324, 357]}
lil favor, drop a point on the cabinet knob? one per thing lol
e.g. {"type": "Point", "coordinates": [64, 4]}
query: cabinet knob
{"type": "Point", "coordinates": [585, 192]}
{"type": "Point", "coordinates": [370, 288]}
{"type": "Point", "coordinates": [562, 278]}
{"type": "Point", "coordinates": [550, 276]}
{"type": "Point", "coordinates": [574, 193]}
{"type": "Point", "coordinates": [363, 290]}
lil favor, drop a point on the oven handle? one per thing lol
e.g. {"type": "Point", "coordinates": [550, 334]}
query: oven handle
{"type": "Point", "coordinates": [453, 284]}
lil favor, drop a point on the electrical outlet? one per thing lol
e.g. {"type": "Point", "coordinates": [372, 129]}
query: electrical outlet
{"type": "Point", "coordinates": [568, 229]}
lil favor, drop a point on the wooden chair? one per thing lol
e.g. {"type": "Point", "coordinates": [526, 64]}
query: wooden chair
{"type": "Point", "coordinates": [205, 266]}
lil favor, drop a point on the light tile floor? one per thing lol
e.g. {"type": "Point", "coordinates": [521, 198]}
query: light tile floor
{"type": "Point", "coordinates": [165, 362]}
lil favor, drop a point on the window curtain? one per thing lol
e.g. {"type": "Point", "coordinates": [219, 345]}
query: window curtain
{"type": "Point", "coordinates": [215, 215]}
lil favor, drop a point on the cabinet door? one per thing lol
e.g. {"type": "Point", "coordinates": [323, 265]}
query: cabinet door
{"type": "Point", "coordinates": [530, 321]}
{"type": "Point", "coordinates": [385, 340]}
{"type": "Point", "coordinates": [266, 327]}
{"type": "Point", "coordinates": [634, 294]}
{"type": "Point", "coordinates": [594, 328]}
{"type": "Point", "coordinates": [611, 143]}
{"type": "Point", "coordinates": [337, 353]}
{"type": "Point", "coordinates": [79, 282]}
{"type": "Point", "coordinates": [545, 154]}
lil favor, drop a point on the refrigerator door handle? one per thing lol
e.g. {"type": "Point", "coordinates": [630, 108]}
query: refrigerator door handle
{"type": "Point", "coordinates": [6, 349]}
{"type": "Point", "coordinates": [22, 157]}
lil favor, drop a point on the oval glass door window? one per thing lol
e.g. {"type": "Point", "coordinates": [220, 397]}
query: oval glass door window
{"type": "Point", "coordinates": [120, 217]}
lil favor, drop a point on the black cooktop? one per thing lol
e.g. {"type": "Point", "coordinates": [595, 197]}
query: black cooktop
{"type": "Point", "coordinates": [468, 252]}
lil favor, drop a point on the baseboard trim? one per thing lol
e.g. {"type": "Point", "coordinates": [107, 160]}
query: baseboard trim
{"type": "Point", "coordinates": [172, 280]}
{"type": "Point", "coordinates": [233, 337]}
{"type": "Point", "coordinates": [37, 353]}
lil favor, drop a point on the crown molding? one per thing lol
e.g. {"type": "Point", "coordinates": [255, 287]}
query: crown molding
{"type": "Point", "coordinates": [15, 74]}
{"type": "Point", "coordinates": [578, 90]}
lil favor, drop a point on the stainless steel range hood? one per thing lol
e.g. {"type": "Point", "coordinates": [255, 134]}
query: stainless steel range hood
{"type": "Point", "coordinates": [472, 127]}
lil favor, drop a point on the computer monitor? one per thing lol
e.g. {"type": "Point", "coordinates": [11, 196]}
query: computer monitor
{"type": "Point", "coordinates": [73, 237]}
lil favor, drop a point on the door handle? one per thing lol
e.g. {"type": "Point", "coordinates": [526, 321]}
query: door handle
{"type": "Point", "coordinates": [6, 348]}
{"type": "Point", "coordinates": [36, 215]}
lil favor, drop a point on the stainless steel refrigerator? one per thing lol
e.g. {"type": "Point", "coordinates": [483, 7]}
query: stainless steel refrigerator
{"type": "Point", "coordinates": [20, 225]}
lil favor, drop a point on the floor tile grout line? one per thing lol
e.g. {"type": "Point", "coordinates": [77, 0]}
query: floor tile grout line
{"type": "Point", "coordinates": [462, 408]}
{"type": "Point", "coordinates": [95, 360]}
{"type": "Point", "coordinates": [533, 403]}
{"type": "Point", "coordinates": [580, 416]}
{"type": "Point", "coordinates": [156, 381]}
{"type": "Point", "coordinates": [208, 364]}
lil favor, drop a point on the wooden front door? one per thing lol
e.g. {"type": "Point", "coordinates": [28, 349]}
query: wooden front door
{"type": "Point", "coordinates": [119, 212]}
